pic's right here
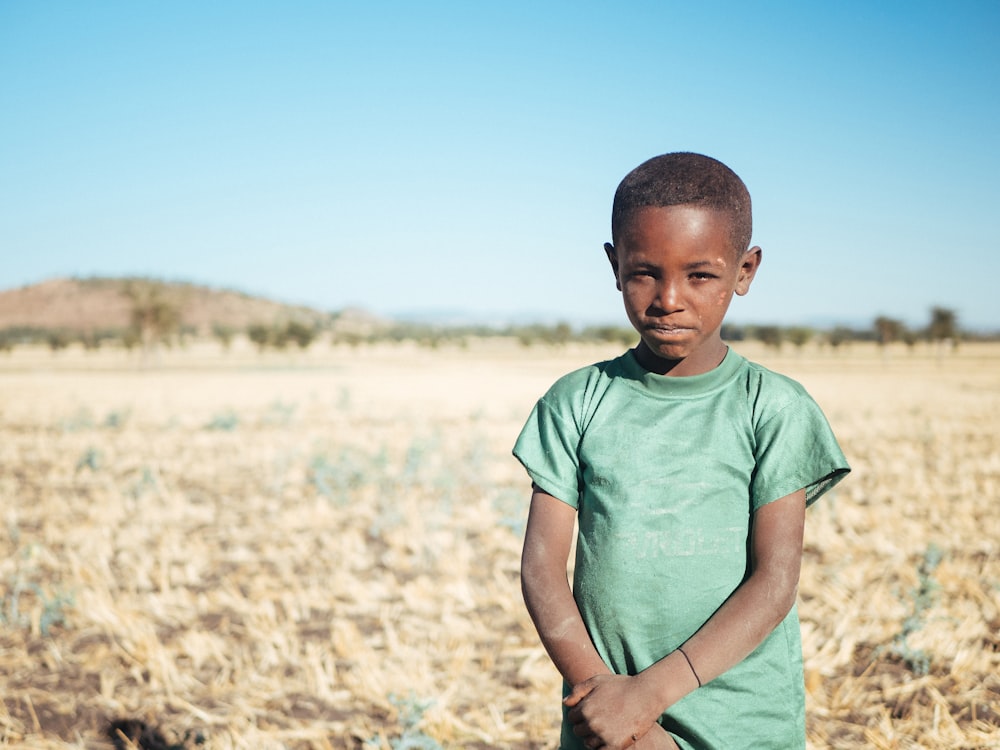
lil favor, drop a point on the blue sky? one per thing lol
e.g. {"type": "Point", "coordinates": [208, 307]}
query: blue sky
{"type": "Point", "coordinates": [435, 157]}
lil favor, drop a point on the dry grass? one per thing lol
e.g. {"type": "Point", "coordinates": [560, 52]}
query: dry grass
{"type": "Point", "coordinates": [321, 550]}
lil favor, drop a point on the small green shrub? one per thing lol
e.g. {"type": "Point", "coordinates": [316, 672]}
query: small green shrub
{"type": "Point", "coordinates": [14, 613]}
{"type": "Point", "coordinates": [226, 421]}
{"type": "Point", "coordinates": [411, 712]}
{"type": "Point", "coordinates": [91, 459]}
{"type": "Point", "coordinates": [116, 419]}
{"type": "Point", "coordinates": [918, 660]}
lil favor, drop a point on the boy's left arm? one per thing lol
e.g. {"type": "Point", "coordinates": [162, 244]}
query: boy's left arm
{"type": "Point", "coordinates": [610, 710]}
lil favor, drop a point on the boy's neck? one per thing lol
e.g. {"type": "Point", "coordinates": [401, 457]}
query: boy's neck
{"type": "Point", "coordinates": [695, 364]}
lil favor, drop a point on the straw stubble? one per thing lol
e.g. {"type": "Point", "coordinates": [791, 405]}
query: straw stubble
{"type": "Point", "coordinates": [325, 555]}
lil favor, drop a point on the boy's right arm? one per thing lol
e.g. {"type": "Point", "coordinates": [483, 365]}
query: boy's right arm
{"type": "Point", "coordinates": [549, 599]}
{"type": "Point", "coordinates": [547, 595]}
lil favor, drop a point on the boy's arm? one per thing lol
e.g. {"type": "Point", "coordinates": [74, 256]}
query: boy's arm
{"type": "Point", "coordinates": [550, 602]}
{"type": "Point", "coordinates": [610, 710]}
{"type": "Point", "coordinates": [547, 595]}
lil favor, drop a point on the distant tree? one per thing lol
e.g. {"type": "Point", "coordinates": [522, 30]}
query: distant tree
{"type": "Point", "coordinates": [154, 318]}
{"type": "Point", "coordinates": [224, 334]}
{"type": "Point", "coordinates": [6, 341]}
{"type": "Point", "coordinates": [561, 333]}
{"type": "Point", "coordinates": [770, 336]}
{"type": "Point", "coordinates": [90, 340]}
{"type": "Point", "coordinates": [799, 336]}
{"type": "Point", "coordinates": [57, 340]}
{"type": "Point", "coordinates": [943, 326]}
{"type": "Point", "coordinates": [130, 338]}
{"type": "Point", "coordinates": [888, 330]}
{"type": "Point", "coordinates": [352, 338]}
{"type": "Point", "coordinates": [839, 336]}
{"type": "Point", "coordinates": [300, 333]}
{"type": "Point", "coordinates": [260, 335]}
{"type": "Point", "coordinates": [525, 335]}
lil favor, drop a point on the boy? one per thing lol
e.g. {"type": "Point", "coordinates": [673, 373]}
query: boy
{"type": "Point", "coordinates": [688, 469]}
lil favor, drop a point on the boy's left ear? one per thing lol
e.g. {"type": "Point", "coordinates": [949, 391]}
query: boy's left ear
{"type": "Point", "coordinates": [748, 269]}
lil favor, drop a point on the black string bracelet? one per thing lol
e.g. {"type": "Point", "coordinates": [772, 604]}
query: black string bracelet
{"type": "Point", "coordinates": [688, 660]}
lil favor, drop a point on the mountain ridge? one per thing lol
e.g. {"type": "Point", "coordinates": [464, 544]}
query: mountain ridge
{"type": "Point", "coordinates": [102, 303]}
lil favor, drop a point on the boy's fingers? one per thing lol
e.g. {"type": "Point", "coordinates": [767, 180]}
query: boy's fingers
{"type": "Point", "coordinates": [578, 693]}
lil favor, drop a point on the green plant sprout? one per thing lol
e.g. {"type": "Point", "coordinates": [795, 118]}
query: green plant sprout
{"type": "Point", "coordinates": [918, 660]}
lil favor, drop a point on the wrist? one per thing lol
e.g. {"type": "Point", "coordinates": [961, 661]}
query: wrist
{"type": "Point", "coordinates": [670, 679]}
{"type": "Point", "coordinates": [687, 658]}
{"type": "Point", "coordinates": [654, 689]}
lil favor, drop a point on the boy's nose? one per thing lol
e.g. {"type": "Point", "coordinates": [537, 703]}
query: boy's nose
{"type": "Point", "coordinates": [668, 297]}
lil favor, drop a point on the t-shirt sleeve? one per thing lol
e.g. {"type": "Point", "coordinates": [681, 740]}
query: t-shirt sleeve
{"type": "Point", "coordinates": [547, 448]}
{"type": "Point", "coordinates": [795, 449]}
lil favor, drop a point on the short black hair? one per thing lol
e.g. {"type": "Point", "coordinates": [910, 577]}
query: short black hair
{"type": "Point", "coordinates": [684, 178]}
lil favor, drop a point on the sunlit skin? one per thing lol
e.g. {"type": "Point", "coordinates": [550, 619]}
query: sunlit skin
{"type": "Point", "coordinates": [677, 270]}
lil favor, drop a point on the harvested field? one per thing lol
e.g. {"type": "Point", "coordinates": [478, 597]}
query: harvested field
{"type": "Point", "coordinates": [320, 550]}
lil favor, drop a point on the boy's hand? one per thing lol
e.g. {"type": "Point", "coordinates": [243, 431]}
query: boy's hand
{"type": "Point", "coordinates": [657, 738]}
{"type": "Point", "coordinates": [611, 711]}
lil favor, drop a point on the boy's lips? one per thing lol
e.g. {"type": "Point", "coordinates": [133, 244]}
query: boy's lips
{"type": "Point", "coordinates": [668, 330]}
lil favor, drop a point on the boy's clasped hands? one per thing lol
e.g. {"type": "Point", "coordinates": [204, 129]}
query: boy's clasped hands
{"type": "Point", "coordinates": [616, 712]}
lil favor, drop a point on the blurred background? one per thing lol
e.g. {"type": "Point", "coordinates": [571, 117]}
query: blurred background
{"type": "Point", "coordinates": [454, 163]}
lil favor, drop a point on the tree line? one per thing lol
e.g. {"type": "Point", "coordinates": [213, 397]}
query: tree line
{"type": "Point", "coordinates": [942, 328]}
{"type": "Point", "coordinates": [156, 322]}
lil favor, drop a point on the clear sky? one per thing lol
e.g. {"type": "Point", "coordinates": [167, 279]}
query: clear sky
{"type": "Point", "coordinates": [461, 156]}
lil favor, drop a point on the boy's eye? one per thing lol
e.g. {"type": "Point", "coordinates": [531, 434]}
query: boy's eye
{"type": "Point", "coordinates": [702, 275]}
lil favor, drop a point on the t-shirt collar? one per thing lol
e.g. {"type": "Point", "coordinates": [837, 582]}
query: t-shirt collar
{"type": "Point", "coordinates": [686, 386]}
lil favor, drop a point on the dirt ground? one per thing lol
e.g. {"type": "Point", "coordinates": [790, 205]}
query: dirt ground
{"type": "Point", "coordinates": [320, 549]}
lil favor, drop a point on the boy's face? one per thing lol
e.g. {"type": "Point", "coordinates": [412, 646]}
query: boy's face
{"type": "Point", "coordinates": [677, 271]}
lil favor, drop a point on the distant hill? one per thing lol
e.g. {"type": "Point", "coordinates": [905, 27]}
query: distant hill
{"type": "Point", "coordinates": [102, 303]}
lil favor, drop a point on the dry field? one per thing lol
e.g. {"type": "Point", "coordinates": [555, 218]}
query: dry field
{"type": "Point", "coordinates": [321, 550]}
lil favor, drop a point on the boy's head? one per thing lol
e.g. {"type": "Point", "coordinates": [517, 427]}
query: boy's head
{"type": "Point", "coordinates": [685, 179]}
{"type": "Point", "coordinates": [681, 228]}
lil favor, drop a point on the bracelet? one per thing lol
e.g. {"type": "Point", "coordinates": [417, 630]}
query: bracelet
{"type": "Point", "coordinates": [688, 660]}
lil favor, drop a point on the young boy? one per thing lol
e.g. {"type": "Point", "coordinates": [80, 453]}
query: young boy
{"type": "Point", "coordinates": [688, 470]}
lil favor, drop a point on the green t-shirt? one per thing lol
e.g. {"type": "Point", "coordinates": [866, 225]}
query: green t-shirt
{"type": "Point", "coordinates": [665, 473]}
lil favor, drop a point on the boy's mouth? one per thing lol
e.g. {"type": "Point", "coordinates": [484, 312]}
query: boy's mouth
{"type": "Point", "coordinates": [668, 330]}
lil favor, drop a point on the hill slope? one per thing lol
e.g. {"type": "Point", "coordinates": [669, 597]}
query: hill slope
{"type": "Point", "coordinates": [95, 304]}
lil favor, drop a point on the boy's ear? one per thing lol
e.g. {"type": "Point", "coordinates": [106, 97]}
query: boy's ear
{"type": "Point", "coordinates": [612, 254]}
{"type": "Point", "coordinates": [748, 269]}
